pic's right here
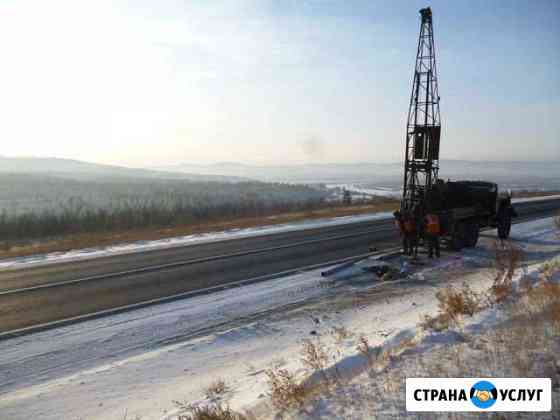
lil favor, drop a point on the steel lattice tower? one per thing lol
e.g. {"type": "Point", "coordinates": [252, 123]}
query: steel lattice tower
{"type": "Point", "coordinates": [423, 124]}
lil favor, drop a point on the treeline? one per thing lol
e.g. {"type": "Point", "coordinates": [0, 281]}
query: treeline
{"type": "Point", "coordinates": [82, 219]}
{"type": "Point", "coordinates": [35, 207]}
{"type": "Point", "coordinates": [21, 193]}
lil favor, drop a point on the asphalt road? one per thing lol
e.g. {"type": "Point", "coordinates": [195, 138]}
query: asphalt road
{"type": "Point", "coordinates": [189, 268]}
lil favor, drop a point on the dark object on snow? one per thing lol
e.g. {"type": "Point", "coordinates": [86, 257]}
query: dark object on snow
{"type": "Point", "coordinates": [384, 271]}
{"type": "Point", "coordinates": [378, 270]}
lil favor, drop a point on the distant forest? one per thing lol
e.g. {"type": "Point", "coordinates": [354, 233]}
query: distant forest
{"type": "Point", "coordinates": [35, 206]}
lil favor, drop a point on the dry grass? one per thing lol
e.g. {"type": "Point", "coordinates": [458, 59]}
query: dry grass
{"type": "Point", "coordinates": [459, 302]}
{"type": "Point", "coordinates": [216, 389]}
{"type": "Point", "coordinates": [314, 355]}
{"type": "Point", "coordinates": [507, 259]}
{"type": "Point", "coordinates": [453, 305]}
{"type": "Point", "coordinates": [549, 268]}
{"type": "Point", "coordinates": [436, 323]}
{"type": "Point", "coordinates": [287, 393]}
{"type": "Point", "coordinates": [85, 240]}
{"type": "Point", "coordinates": [502, 291]}
{"type": "Point", "coordinates": [341, 333]}
{"type": "Point", "coordinates": [366, 350]}
{"type": "Point", "coordinates": [544, 298]}
{"type": "Point", "coordinates": [530, 340]}
{"type": "Point", "coordinates": [507, 351]}
{"type": "Point", "coordinates": [209, 412]}
{"type": "Point", "coordinates": [524, 344]}
{"type": "Point", "coordinates": [378, 359]}
{"type": "Point", "coordinates": [544, 295]}
{"type": "Point", "coordinates": [389, 355]}
{"type": "Point", "coordinates": [285, 390]}
{"type": "Point", "coordinates": [522, 348]}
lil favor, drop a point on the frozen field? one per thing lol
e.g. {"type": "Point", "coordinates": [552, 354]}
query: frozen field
{"type": "Point", "coordinates": [141, 361]}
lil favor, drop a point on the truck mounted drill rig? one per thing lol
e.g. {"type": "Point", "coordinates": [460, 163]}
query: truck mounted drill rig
{"type": "Point", "coordinates": [463, 207]}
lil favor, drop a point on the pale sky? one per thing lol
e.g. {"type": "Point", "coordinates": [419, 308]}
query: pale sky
{"type": "Point", "coordinates": [146, 83]}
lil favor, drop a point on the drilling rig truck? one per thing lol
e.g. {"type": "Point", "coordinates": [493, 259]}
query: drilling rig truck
{"type": "Point", "coordinates": [463, 207]}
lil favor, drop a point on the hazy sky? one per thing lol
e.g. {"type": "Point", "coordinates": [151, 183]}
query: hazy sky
{"type": "Point", "coordinates": [157, 82]}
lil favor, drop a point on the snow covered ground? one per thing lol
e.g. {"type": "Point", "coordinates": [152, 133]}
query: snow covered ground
{"type": "Point", "coordinates": [359, 191]}
{"type": "Point", "coordinates": [519, 337]}
{"type": "Point", "coordinates": [141, 361]}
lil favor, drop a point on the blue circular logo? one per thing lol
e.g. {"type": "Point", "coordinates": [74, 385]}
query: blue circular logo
{"type": "Point", "coordinates": [483, 394]}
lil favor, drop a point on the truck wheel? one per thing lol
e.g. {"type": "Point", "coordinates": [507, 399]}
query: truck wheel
{"type": "Point", "coordinates": [458, 237]}
{"type": "Point", "coordinates": [472, 235]}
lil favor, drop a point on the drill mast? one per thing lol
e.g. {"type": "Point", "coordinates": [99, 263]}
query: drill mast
{"type": "Point", "coordinates": [423, 124]}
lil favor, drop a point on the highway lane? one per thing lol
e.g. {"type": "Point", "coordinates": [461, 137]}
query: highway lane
{"type": "Point", "coordinates": [41, 306]}
{"type": "Point", "coordinates": [64, 271]}
{"type": "Point", "coordinates": [313, 246]}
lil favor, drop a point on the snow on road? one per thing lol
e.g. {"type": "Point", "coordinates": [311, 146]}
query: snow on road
{"type": "Point", "coordinates": [531, 199]}
{"type": "Point", "coordinates": [141, 361]}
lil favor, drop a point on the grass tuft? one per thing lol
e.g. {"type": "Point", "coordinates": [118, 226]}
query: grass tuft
{"type": "Point", "coordinates": [507, 259]}
{"type": "Point", "coordinates": [341, 333]}
{"type": "Point", "coordinates": [216, 389]}
{"type": "Point", "coordinates": [313, 355]}
{"type": "Point", "coordinates": [285, 391]}
{"type": "Point", "coordinates": [209, 412]}
{"type": "Point", "coordinates": [453, 304]}
{"type": "Point", "coordinates": [365, 349]}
